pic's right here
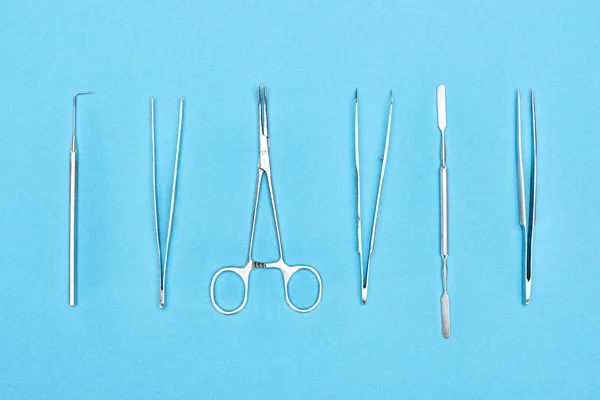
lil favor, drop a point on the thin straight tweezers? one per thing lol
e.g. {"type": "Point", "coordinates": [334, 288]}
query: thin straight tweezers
{"type": "Point", "coordinates": [527, 217]}
{"type": "Point", "coordinates": [364, 272]}
{"type": "Point", "coordinates": [162, 265]}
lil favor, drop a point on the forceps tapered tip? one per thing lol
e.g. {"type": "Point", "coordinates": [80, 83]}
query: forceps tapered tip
{"type": "Point", "coordinates": [161, 299]}
{"type": "Point", "coordinates": [364, 295]}
{"type": "Point", "coordinates": [265, 101]}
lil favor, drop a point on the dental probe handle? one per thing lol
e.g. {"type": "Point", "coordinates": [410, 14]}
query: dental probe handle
{"type": "Point", "coordinates": [445, 300]}
{"type": "Point", "coordinates": [72, 225]}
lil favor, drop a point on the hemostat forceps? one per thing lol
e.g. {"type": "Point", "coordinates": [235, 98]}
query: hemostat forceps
{"type": "Point", "coordinates": [264, 169]}
{"type": "Point", "coordinates": [527, 221]}
{"type": "Point", "coordinates": [73, 207]}
{"type": "Point", "coordinates": [364, 273]}
{"type": "Point", "coordinates": [162, 266]}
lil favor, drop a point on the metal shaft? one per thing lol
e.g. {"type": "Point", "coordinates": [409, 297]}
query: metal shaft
{"type": "Point", "coordinates": [532, 204]}
{"type": "Point", "coordinates": [359, 224]}
{"type": "Point", "coordinates": [73, 207]}
{"type": "Point", "coordinates": [378, 200]}
{"type": "Point", "coordinates": [445, 299]}
{"type": "Point", "coordinates": [72, 227]}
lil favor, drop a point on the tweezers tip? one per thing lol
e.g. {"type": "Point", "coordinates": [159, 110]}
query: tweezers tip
{"type": "Point", "coordinates": [527, 292]}
{"type": "Point", "coordinates": [364, 295]}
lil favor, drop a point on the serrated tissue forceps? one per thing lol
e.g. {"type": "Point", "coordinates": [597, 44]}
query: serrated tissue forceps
{"type": "Point", "coordinates": [287, 271]}
{"type": "Point", "coordinates": [527, 217]}
{"type": "Point", "coordinates": [73, 172]}
{"type": "Point", "coordinates": [364, 272]}
{"type": "Point", "coordinates": [162, 265]}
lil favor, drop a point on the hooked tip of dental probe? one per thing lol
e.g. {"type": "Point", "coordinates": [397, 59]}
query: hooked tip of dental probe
{"type": "Point", "coordinates": [77, 94]}
{"type": "Point", "coordinates": [391, 97]}
{"type": "Point", "coordinates": [80, 93]}
{"type": "Point", "coordinates": [356, 95]}
{"type": "Point", "coordinates": [74, 128]}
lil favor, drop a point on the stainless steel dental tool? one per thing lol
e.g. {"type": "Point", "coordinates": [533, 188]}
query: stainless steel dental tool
{"type": "Point", "coordinates": [73, 168]}
{"type": "Point", "coordinates": [364, 272]}
{"type": "Point", "coordinates": [527, 217]}
{"type": "Point", "coordinates": [162, 265]}
{"type": "Point", "coordinates": [287, 271]}
{"type": "Point", "coordinates": [445, 300]}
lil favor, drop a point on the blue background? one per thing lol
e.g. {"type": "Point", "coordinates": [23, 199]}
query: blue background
{"type": "Point", "coordinates": [117, 343]}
